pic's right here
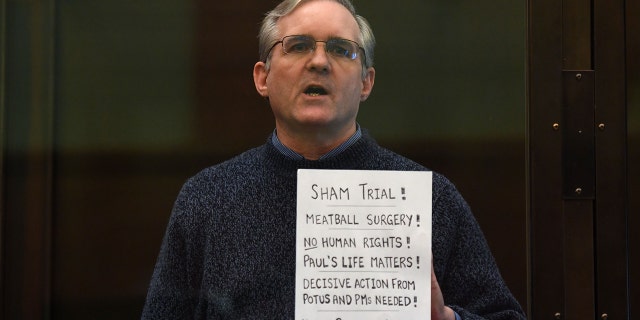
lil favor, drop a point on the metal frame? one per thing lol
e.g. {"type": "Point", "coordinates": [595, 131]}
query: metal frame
{"type": "Point", "coordinates": [578, 236]}
{"type": "Point", "coordinates": [27, 158]}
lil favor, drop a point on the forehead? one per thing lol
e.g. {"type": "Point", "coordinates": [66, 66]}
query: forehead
{"type": "Point", "coordinates": [321, 19]}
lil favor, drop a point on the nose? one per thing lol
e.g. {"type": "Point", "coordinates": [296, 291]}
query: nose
{"type": "Point", "coordinates": [319, 60]}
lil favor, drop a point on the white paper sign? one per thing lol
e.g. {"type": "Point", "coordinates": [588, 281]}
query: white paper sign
{"type": "Point", "coordinates": [363, 247]}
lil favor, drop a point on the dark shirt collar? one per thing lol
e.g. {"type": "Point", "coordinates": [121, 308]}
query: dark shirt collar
{"type": "Point", "coordinates": [336, 151]}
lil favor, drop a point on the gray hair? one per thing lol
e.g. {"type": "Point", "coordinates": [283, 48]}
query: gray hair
{"type": "Point", "coordinates": [269, 31]}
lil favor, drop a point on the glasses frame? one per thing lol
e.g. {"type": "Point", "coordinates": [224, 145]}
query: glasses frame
{"type": "Point", "coordinates": [281, 41]}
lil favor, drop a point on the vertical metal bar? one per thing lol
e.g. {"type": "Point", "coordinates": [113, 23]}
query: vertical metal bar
{"type": "Point", "coordinates": [595, 255]}
{"type": "Point", "coordinates": [544, 139]}
{"type": "Point", "coordinates": [3, 48]}
{"type": "Point", "coordinates": [578, 192]}
{"type": "Point", "coordinates": [578, 157]}
{"type": "Point", "coordinates": [28, 159]}
{"type": "Point", "coordinates": [579, 256]}
{"type": "Point", "coordinates": [611, 166]}
{"type": "Point", "coordinates": [576, 34]}
{"type": "Point", "coordinates": [578, 151]}
{"type": "Point", "coordinates": [632, 68]}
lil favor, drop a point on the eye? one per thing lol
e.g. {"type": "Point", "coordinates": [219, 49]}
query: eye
{"type": "Point", "coordinates": [298, 45]}
{"type": "Point", "coordinates": [341, 48]}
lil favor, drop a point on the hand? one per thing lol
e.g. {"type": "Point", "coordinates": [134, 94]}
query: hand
{"type": "Point", "coordinates": [438, 310]}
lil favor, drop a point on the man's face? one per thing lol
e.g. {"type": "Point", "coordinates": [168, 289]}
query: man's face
{"type": "Point", "coordinates": [315, 91]}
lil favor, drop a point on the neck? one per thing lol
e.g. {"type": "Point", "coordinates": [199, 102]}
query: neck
{"type": "Point", "coordinates": [313, 144]}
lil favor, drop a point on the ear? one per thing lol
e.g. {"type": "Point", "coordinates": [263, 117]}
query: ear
{"type": "Point", "coordinates": [367, 83]}
{"type": "Point", "coordinates": [260, 73]}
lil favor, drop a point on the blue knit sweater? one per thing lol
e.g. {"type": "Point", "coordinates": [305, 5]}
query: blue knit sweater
{"type": "Point", "coordinates": [229, 248]}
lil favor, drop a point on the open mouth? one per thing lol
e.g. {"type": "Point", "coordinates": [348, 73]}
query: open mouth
{"type": "Point", "coordinates": [315, 91]}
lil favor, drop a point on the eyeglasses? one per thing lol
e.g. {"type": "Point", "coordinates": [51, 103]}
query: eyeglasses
{"type": "Point", "coordinates": [336, 47]}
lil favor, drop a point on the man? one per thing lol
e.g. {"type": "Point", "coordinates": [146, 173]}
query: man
{"type": "Point", "coordinates": [229, 249]}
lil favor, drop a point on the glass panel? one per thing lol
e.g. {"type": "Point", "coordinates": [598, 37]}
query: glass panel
{"type": "Point", "coordinates": [124, 97]}
{"type": "Point", "coordinates": [147, 95]}
{"type": "Point", "coordinates": [450, 94]}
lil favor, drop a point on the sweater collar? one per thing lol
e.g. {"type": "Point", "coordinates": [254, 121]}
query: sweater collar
{"type": "Point", "coordinates": [350, 158]}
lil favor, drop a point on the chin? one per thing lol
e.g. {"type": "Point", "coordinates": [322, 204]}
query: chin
{"type": "Point", "coordinates": [316, 118]}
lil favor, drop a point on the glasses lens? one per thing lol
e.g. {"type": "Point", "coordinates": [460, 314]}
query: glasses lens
{"type": "Point", "coordinates": [342, 48]}
{"type": "Point", "coordinates": [339, 48]}
{"type": "Point", "coordinates": [298, 44]}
